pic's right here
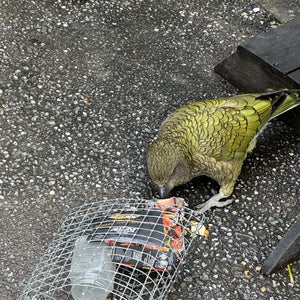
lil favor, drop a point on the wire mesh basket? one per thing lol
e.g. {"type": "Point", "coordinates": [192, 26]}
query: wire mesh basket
{"type": "Point", "coordinates": [133, 249]}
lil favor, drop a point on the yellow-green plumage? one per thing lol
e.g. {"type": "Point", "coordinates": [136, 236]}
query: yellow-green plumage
{"type": "Point", "coordinates": [212, 138]}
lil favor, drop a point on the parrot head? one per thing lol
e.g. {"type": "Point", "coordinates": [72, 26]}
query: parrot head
{"type": "Point", "coordinates": [167, 166]}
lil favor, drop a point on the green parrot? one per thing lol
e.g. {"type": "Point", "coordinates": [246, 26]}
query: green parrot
{"type": "Point", "coordinates": [212, 138]}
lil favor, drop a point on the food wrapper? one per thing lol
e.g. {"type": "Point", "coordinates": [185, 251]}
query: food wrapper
{"type": "Point", "coordinates": [148, 238]}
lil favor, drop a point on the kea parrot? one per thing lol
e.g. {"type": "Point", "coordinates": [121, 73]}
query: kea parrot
{"type": "Point", "coordinates": [212, 138]}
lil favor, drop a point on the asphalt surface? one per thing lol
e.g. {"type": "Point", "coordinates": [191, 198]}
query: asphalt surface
{"type": "Point", "coordinates": [84, 87]}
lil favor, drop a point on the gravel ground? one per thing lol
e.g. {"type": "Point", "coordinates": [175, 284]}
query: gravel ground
{"type": "Point", "coordinates": [84, 87]}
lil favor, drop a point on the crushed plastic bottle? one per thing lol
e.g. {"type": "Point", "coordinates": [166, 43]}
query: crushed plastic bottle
{"type": "Point", "coordinates": [92, 270]}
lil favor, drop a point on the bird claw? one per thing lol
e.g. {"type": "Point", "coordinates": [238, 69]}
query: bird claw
{"type": "Point", "coordinates": [213, 202]}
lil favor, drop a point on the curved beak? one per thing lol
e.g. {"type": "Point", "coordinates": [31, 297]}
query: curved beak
{"type": "Point", "coordinates": [163, 192]}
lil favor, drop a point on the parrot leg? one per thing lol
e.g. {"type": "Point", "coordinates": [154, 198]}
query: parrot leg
{"type": "Point", "coordinates": [213, 201]}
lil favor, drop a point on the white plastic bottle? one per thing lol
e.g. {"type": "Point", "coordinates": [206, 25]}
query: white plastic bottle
{"type": "Point", "coordinates": [92, 270]}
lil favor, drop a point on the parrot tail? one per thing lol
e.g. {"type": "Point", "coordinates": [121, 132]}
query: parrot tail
{"type": "Point", "coordinates": [282, 100]}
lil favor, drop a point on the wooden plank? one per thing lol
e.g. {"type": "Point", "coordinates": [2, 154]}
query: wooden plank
{"type": "Point", "coordinates": [249, 73]}
{"type": "Point", "coordinates": [279, 47]}
{"type": "Point", "coordinates": [270, 60]}
{"type": "Point", "coordinates": [287, 250]}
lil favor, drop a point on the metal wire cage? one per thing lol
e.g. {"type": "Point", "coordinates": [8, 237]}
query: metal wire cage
{"type": "Point", "coordinates": [146, 242]}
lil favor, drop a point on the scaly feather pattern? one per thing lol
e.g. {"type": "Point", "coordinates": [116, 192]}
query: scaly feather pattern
{"type": "Point", "coordinates": [213, 137]}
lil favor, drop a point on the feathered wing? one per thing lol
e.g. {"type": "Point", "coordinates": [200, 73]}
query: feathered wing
{"type": "Point", "coordinates": [281, 101]}
{"type": "Point", "coordinates": [220, 128]}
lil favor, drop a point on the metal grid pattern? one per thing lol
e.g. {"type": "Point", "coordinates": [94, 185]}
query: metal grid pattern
{"type": "Point", "coordinates": [148, 242]}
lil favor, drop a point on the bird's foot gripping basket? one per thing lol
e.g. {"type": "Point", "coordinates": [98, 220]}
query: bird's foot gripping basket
{"type": "Point", "coordinates": [116, 249]}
